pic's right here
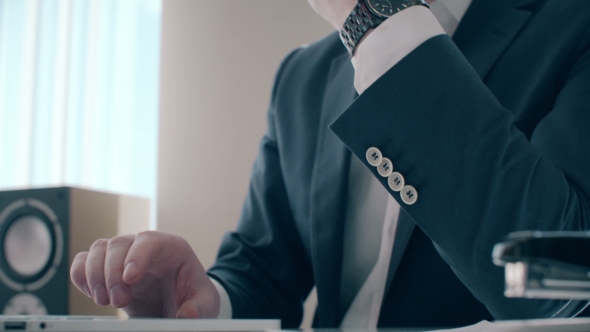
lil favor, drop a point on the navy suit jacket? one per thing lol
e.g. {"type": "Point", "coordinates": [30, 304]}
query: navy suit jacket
{"type": "Point", "coordinates": [491, 127]}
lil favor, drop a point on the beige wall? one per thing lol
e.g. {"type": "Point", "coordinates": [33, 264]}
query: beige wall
{"type": "Point", "coordinates": [218, 61]}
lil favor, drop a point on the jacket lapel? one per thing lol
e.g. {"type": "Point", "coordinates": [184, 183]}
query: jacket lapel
{"type": "Point", "coordinates": [487, 29]}
{"type": "Point", "coordinates": [329, 191]}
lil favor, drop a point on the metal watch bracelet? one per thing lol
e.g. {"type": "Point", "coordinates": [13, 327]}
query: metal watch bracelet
{"type": "Point", "coordinates": [359, 22]}
{"type": "Point", "coordinates": [355, 26]}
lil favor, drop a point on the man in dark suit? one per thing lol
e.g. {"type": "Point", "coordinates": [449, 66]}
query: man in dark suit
{"type": "Point", "coordinates": [489, 131]}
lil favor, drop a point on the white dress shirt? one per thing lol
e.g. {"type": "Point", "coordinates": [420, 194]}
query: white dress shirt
{"type": "Point", "coordinates": [369, 206]}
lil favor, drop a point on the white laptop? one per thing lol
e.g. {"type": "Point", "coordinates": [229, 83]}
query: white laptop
{"type": "Point", "coordinates": [115, 324]}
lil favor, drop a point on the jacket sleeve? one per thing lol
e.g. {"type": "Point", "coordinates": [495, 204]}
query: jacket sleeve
{"type": "Point", "coordinates": [263, 265]}
{"type": "Point", "coordinates": [477, 176]}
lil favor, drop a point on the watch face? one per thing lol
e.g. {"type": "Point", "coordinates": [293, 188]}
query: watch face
{"type": "Point", "coordinates": [387, 8]}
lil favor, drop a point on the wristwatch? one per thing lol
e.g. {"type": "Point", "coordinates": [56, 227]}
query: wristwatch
{"type": "Point", "coordinates": [368, 14]}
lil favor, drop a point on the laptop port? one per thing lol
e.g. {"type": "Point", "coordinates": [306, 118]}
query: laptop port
{"type": "Point", "coordinates": [15, 326]}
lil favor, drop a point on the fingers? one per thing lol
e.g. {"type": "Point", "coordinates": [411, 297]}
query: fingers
{"type": "Point", "coordinates": [156, 252]}
{"type": "Point", "coordinates": [117, 249]}
{"type": "Point", "coordinates": [103, 271]}
{"type": "Point", "coordinates": [95, 272]}
{"type": "Point", "coordinates": [78, 273]}
{"type": "Point", "coordinates": [108, 271]}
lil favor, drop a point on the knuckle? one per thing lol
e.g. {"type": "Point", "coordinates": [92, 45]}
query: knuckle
{"type": "Point", "coordinates": [80, 258]}
{"type": "Point", "coordinates": [149, 234]}
{"type": "Point", "coordinates": [99, 244]}
{"type": "Point", "coordinates": [118, 241]}
{"type": "Point", "coordinates": [155, 238]}
{"type": "Point", "coordinates": [179, 242]}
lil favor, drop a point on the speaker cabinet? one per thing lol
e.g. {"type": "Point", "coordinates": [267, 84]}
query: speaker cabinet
{"type": "Point", "coordinates": [41, 231]}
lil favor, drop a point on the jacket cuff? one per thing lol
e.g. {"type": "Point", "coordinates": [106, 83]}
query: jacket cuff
{"type": "Point", "coordinates": [377, 54]}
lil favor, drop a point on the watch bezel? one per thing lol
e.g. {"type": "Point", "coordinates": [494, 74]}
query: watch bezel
{"type": "Point", "coordinates": [383, 16]}
{"type": "Point", "coordinates": [374, 11]}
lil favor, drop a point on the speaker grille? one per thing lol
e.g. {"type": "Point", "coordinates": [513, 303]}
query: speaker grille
{"type": "Point", "coordinates": [33, 245]}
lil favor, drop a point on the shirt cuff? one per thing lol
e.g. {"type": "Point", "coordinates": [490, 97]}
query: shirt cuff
{"type": "Point", "coordinates": [390, 42]}
{"type": "Point", "coordinates": [225, 311]}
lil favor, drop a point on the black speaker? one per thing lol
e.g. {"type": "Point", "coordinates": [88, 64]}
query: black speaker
{"type": "Point", "coordinates": [41, 230]}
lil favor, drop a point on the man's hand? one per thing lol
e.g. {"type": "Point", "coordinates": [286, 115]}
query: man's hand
{"type": "Point", "coordinates": [152, 274]}
{"type": "Point", "coordinates": [333, 11]}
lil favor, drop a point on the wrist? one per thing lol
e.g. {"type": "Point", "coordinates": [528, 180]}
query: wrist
{"type": "Point", "coordinates": [368, 15]}
{"type": "Point", "coordinates": [364, 37]}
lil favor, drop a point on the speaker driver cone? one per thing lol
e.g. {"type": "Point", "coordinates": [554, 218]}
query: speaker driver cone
{"type": "Point", "coordinates": [31, 245]}
{"type": "Point", "coordinates": [27, 246]}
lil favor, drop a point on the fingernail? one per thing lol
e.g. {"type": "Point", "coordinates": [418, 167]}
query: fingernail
{"type": "Point", "coordinates": [100, 295]}
{"type": "Point", "coordinates": [118, 295]}
{"type": "Point", "coordinates": [130, 271]}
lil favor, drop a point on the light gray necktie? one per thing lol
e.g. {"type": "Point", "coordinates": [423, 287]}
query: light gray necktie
{"type": "Point", "coordinates": [445, 17]}
{"type": "Point", "coordinates": [364, 310]}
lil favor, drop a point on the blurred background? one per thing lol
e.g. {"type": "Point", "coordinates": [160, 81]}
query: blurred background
{"type": "Point", "coordinates": [162, 99]}
{"type": "Point", "coordinates": [79, 88]}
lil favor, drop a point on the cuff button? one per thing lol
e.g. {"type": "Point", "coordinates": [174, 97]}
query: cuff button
{"type": "Point", "coordinates": [385, 168]}
{"type": "Point", "coordinates": [374, 156]}
{"type": "Point", "coordinates": [396, 181]}
{"type": "Point", "coordinates": [409, 195]}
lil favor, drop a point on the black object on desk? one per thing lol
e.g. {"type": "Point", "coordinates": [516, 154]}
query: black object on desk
{"type": "Point", "coordinates": [549, 265]}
